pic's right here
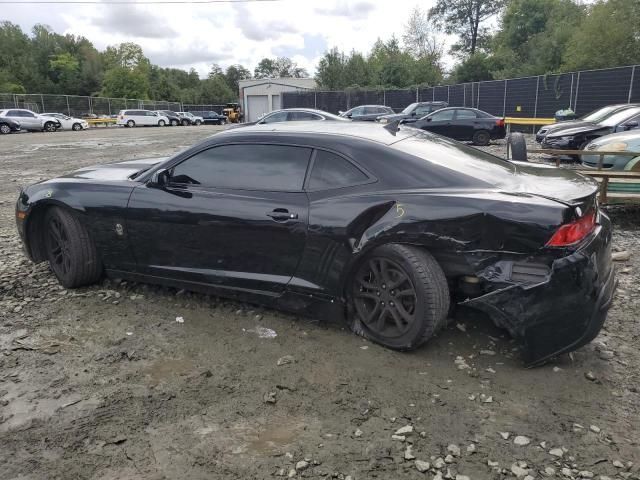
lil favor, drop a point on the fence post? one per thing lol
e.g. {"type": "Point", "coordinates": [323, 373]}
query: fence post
{"type": "Point", "coordinates": [571, 93]}
{"type": "Point", "coordinates": [504, 100]}
{"type": "Point", "coordinates": [575, 103]}
{"type": "Point", "coordinates": [448, 94]}
{"type": "Point", "coordinates": [417, 90]}
{"type": "Point", "coordinates": [384, 97]}
{"type": "Point", "coordinates": [433, 94]}
{"type": "Point", "coordinates": [42, 101]}
{"type": "Point", "coordinates": [464, 94]}
{"type": "Point", "coordinates": [478, 96]}
{"type": "Point", "coordinates": [535, 106]}
{"type": "Point", "coordinates": [633, 74]}
{"type": "Point", "coordinates": [315, 100]}
{"type": "Point", "coordinates": [68, 109]}
{"type": "Point", "coordinates": [109, 104]}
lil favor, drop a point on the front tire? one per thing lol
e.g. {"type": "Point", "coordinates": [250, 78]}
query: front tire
{"type": "Point", "coordinates": [131, 124]}
{"type": "Point", "coordinates": [5, 129]}
{"type": "Point", "coordinates": [76, 127]}
{"type": "Point", "coordinates": [186, 123]}
{"type": "Point", "coordinates": [50, 127]}
{"type": "Point", "coordinates": [198, 123]}
{"type": "Point", "coordinates": [399, 297]}
{"type": "Point", "coordinates": [71, 252]}
{"type": "Point", "coordinates": [161, 123]}
{"type": "Point", "coordinates": [174, 123]}
{"type": "Point", "coordinates": [481, 138]}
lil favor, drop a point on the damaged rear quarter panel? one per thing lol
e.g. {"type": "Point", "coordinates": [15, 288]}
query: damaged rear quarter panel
{"type": "Point", "coordinates": [343, 229]}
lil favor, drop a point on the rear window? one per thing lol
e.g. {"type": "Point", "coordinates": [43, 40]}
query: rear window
{"type": "Point", "coordinates": [456, 156]}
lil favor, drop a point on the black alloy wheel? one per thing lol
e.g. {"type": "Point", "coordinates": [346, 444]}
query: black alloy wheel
{"type": "Point", "coordinates": [399, 297]}
{"type": "Point", "coordinates": [384, 297]}
{"type": "Point", "coordinates": [58, 247]}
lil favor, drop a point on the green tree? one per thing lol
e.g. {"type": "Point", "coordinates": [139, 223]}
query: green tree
{"type": "Point", "coordinates": [608, 37]}
{"type": "Point", "coordinates": [475, 68]}
{"type": "Point", "coordinates": [233, 74]}
{"type": "Point", "coordinates": [331, 69]}
{"type": "Point", "coordinates": [420, 38]}
{"type": "Point", "coordinates": [123, 82]}
{"type": "Point", "coordinates": [465, 18]}
{"type": "Point", "coordinates": [216, 90]}
{"type": "Point", "coordinates": [278, 68]}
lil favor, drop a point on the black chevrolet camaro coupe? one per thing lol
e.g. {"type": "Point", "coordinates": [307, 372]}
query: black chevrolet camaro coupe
{"type": "Point", "coordinates": [379, 226]}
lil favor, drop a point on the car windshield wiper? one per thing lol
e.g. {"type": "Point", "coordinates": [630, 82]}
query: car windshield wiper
{"type": "Point", "coordinates": [135, 175]}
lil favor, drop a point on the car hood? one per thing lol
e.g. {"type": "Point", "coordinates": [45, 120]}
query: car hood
{"type": "Point", "coordinates": [114, 171]}
{"type": "Point", "coordinates": [554, 127]}
{"type": "Point", "coordinates": [631, 137]}
{"type": "Point", "coordinates": [588, 127]}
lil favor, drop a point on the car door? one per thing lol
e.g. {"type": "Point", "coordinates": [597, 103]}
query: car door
{"type": "Point", "coordinates": [232, 216]}
{"type": "Point", "coordinates": [357, 113]}
{"type": "Point", "coordinates": [439, 122]}
{"type": "Point", "coordinates": [464, 124]}
{"type": "Point", "coordinates": [28, 120]}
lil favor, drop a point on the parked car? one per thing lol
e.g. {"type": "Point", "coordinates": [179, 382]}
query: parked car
{"type": "Point", "coordinates": [594, 117]}
{"type": "Point", "coordinates": [189, 118]}
{"type": "Point", "coordinates": [7, 126]}
{"type": "Point", "coordinates": [616, 142]}
{"type": "Point", "coordinates": [210, 117]}
{"type": "Point", "coordinates": [294, 115]}
{"type": "Point", "coordinates": [344, 221]}
{"type": "Point", "coordinates": [173, 117]}
{"type": "Point", "coordinates": [367, 113]}
{"type": "Point", "coordinates": [68, 123]}
{"type": "Point", "coordinates": [140, 118]}
{"type": "Point", "coordinates": [31, 121]}
{"type": "Point", "coordinates": [413, 112]}
{"type": "Point", "coordinates": [577, 138]}
{"type": "Point", "coordinates": [463, 123]}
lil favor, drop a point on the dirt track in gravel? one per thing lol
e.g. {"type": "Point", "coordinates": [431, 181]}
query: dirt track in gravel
{"type": "Point", "coordinates": [103, 383]}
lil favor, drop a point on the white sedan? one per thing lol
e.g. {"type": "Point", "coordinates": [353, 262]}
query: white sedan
{"type": "Point", "coordinates": [69, 123]}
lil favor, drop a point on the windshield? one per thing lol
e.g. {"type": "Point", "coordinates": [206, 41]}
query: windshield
{"type": "Point", "coordinates": [409, 108]}
{"type": "Point", "coordinates": [620, 117]}
{"type": "Point", "coordinates": [448, 153]}
{"type": "Point", "coordinates": [600, 114]}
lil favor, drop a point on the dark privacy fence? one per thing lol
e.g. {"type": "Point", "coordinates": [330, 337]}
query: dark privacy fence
{"type": "Point", "coordinates": [539, 96]}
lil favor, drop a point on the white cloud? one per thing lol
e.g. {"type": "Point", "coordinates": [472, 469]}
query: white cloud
{"type": "Point", "coordinates": [197, 35]}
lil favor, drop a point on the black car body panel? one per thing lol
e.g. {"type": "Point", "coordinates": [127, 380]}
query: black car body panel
{"type": "Point", "coordinates": [211, 117]}
{"type": "Point", "coordinates": [459, 124]}
{"type": "Point", "coordinates": [478, 215]}
{"type": "Point", "coordinates": [576, 138]}
{"type": "Point", "coordinates": [414, 112]}
{"type": "Point", "coordinates": [174, 118]}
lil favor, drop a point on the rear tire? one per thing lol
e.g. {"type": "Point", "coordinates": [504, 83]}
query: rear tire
{"type": "Point", "coordinates": [131, 124]}
{"type": "Point", "coordinates": [5, 129]}
{"type": "Point", "coordinates": [174, 123]}
{"type": "Point", "coordinates": [518, 145]}
{"type": "Point", "coordinates": [198, 123]}
{"type": "Point", "coordinates": [71, 252]}
{"type": "Point", "coordinates": [186, 123]}
{"type": "Point", "coordinates": [481, 138]}
{"type": "Point", "coordinates": [398, 297]}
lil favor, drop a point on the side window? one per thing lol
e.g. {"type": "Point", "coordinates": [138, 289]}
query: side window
{"type": "Point", "coordinates": [357, 111]}
{"type": "Point", "coordinates": [13, 113]}
{"type": "Point", "coordinates": [27, 114]}
{"type": "Point", "coordinates": [423, 110]}
{"type": "Point", "coordinates": [333, 171]}
{"type": "Point", "coordinates": [246, 167]}
{"type": "Point", "coordinates": [442, 116]}
{"type": "Point", "coordinates": [275, 117]}
{"type": "Point", "coordinates": [462, 114]}
{"type": "Point", "coordinates": [299, 116]}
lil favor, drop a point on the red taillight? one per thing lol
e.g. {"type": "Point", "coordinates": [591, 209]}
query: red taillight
{"type": "Point", "coordinates": [500, 122]}
{"type": "Point", "coordinates": [573, 232]}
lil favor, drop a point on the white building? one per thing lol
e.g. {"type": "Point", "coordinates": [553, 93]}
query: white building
{"type": "Point", "coordinates": [264, 95]}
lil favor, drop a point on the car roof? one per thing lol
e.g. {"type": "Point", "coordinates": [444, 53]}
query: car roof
{"type": "Point", "coordinates": [362, 130]}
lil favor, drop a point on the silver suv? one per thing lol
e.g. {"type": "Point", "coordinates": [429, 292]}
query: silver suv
{"type": "Point", "coordinates": [31, 121]}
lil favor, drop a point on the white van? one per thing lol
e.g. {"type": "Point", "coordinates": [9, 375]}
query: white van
{"type": "Point", "coordinates": [139, 118]}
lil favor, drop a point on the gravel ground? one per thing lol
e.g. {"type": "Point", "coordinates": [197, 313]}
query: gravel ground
{"type": "Point", "coordinates": [103, 382]}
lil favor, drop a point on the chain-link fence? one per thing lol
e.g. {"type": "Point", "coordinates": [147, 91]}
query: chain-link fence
{"type": "Point", "coordinates": [539, 96]}
{"type": "Point", "coordinates": [77, 106]}
{"type": "Point", "coordinates": [203, 108]}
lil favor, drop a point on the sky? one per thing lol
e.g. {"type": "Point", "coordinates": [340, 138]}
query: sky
{"type": "Point", "coordinates": [197, 35]}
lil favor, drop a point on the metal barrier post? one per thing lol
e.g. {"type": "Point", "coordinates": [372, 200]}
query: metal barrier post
{"type": "Point", "coordinates": [68, 108]}
{"type": "Point", "coordinates": [633, 73]}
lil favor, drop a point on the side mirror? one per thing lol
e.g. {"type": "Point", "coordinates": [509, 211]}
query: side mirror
{"type": "Point", "coordinates": [159, 179]}
{"type": "Point", "coordinates": [349, 115]}
{"type": "Point", "coordinates": [413, 114]}
{"type": "Point", "coordinates": [428, 119]}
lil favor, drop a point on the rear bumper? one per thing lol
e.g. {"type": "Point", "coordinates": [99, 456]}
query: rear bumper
{"type": "Point", "coordinates": [564, 312]}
